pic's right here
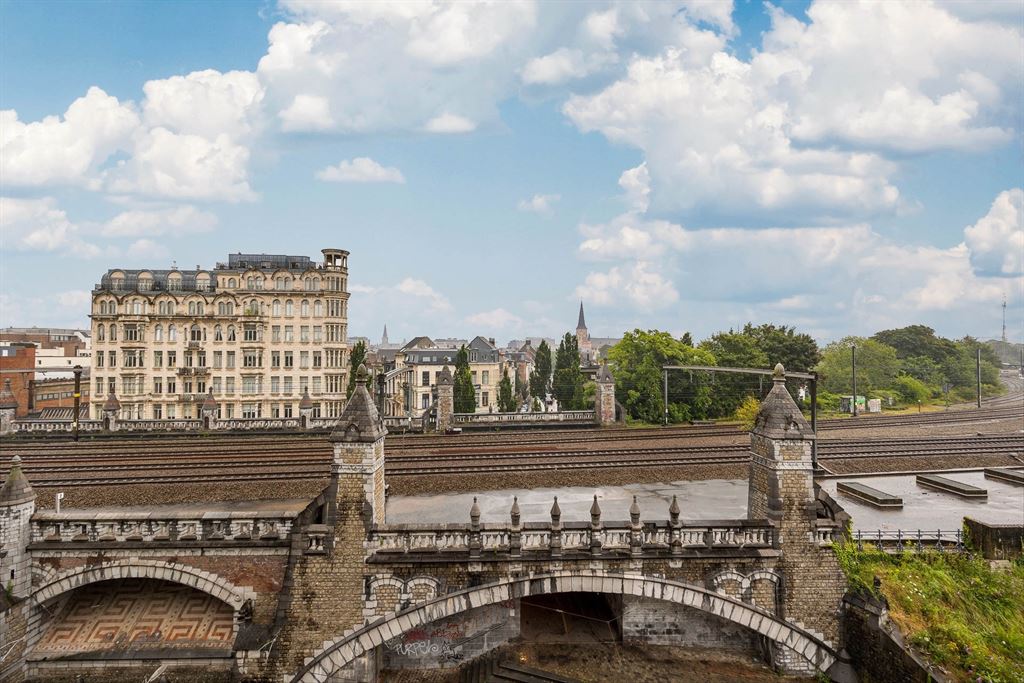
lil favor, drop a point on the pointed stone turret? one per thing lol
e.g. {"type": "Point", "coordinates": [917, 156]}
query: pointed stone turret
{"type": "Point", "coordinates": [595, 513]}
{"type": "Point", "coordinates": [358, 440]}
{"type": "Point", "coordinates": [16, 489]}
{"type": "Point", "coordinates": [8, 408]}
{"type": "Point", "coordinates": [306, 410]}
{"type": "Point", "coordinates": [556, 513]}
{"type": "Point", "coordinates": [673, 510]}
{"type": "Point", "coordinates": [781, 490]}
{"type": "Point", "coordinates": [445, 400]}
{"type": "Point", "coordinates": [17, 503]}
{"type": "Point", "coordinates": [360, 422]}
{"type": "Point", "coordinates": [604, 396]}
{"type": "Point", "coordinates": [112, 405]}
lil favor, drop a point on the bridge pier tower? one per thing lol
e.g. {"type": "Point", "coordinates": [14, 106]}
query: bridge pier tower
{"type": "Point", "coordinates": [604, 397]}
{"type": "Point", "coordinates": [782, 489]}
{"type": "Point", "coordinates": [445, 400]}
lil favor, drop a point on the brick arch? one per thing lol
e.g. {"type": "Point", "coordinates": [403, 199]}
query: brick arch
{"type": "Point", "coordinates": [745, 581]}
{"type": "Point", "coordinates": [198, 579]}
{"type": "Point", "coordinates": [337, 654]}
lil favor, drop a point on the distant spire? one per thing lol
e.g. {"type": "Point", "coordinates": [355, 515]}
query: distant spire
{"type": "Point", "coordinates": [384, 338]}
{"type": "Point", "coordinates": [582, 324]}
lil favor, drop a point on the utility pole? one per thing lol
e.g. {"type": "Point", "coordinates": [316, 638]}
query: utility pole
{"type": "Point", "coordinates": [814, 420]}
{"type": "Point", "coordinates": [853, 360]}
{"type": "Point", "coordinates": [979, 376]}
{"type": "Point", "coordinates": [1004, 318]}
{"type": "Point", "coordinates": [78, 398]}
{"type": "Point", "coordinates": [664, 374]}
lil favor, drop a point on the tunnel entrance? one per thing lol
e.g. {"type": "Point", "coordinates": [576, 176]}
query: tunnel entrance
{"type": "Point", "coordinates": [571, 618]}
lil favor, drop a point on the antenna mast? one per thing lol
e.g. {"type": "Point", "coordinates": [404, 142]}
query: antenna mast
{"type": "Point", "coordinates": [1004, 318]}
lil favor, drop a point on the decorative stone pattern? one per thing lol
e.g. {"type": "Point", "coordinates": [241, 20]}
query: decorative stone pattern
{"type": "Point", "coordinates": [137, 615]}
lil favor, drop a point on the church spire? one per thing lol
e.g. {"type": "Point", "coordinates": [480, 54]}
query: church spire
{"type": "Point", "coordinates": [582, 324]}
{"type": "Point", "coordinates": [384, 338]}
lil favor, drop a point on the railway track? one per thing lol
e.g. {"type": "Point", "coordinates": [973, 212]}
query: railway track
{"type": "Point", "coordinates": [200, 468]}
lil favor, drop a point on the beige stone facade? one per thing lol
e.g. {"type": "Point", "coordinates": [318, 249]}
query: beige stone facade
{"type": "Point", "coordinates": [257, 332]}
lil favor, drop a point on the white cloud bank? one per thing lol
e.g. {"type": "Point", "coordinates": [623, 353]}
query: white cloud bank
{"type": "Point", "coordinates": [539, 203]}
{"type": "Point", "coordinates": [361, 170]}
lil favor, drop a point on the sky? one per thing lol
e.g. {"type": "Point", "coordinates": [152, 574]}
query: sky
{"type": "Point", "coordinates": [842, 167]}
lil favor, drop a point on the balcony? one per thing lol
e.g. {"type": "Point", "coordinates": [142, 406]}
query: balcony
{"type": "Point", "coordinates": [193, 345]}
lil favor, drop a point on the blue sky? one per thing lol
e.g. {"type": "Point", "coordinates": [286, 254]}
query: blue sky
{"type": "Point", "coordinates": [842, 167]}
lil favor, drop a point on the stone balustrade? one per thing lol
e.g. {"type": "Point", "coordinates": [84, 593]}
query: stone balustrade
{"type": "Point", "coordinates": [572, 537]}
{"type": "Point", "coordinates": [524, 418]}
{"type": "Point", "coordinates": [30, 426]}
{"type": "Point", "coordinates": [120, 527]}
{"type": "Point", "coordinates": [181, 424]}
{"type": "Point", "coordinates": [251, 423]}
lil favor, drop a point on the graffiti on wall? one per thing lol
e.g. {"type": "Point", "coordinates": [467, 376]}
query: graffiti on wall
{"type": "Point", "coordinates": [440, 642]}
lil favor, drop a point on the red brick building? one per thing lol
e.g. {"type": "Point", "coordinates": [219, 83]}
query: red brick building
{"type": "Point", "coordinates": [18, 363]}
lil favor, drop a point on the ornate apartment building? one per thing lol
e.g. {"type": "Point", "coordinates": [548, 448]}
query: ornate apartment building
{"type": "Point", "coordinates": [258, 333]}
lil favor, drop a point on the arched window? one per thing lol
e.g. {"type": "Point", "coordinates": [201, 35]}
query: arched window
{"type": "Point", "coordinates": [318, 309]}
{"type": "Point", "coordinates": [231, 307]}
{"type": "Point", "coordinates": [232, 282]}
{"type": "Point", "coordinates": [196, 333]}
{"type": "Point", "coordinates": [113, 332]}
{"type": "Point", "coordinates": [218, 334]}
{"type": "Point", "coordinates": [275, 308]}
{"type": "Point", "coordinates": [136, 307]}
{"type": "Point", "coordinates": [199, 308]}
{"type": "Point", "coordinates": [99, 332]}
{"type": "Point", "coordinates": [172, 333]}
{"type": "Point", "coordinates": [289, 308]}
{"type": "Point", "coordinates": [304, 308]}
{"type": "Point", "coordinates": [231, 333]}
{"type": "Point", "coordinates": [191, 307]}
{"type": "Point", "coordinates": [158, 333]}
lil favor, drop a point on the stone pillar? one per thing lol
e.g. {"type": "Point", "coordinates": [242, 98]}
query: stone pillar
{"type": "Point", "coordinates": [17, 503]}
{"type": "Point", "coordinates": [445, 400]}
{"type": "Point", "coordinates": [111, 408]}
{"type": "Point", "coordinates": [8, 408]}
{"type": "Point", "coordinates": [306, 410]}
{"type": "Point", "coordinates": [782, 490]}
{"type": "Point", "coordinates": [604, 397]}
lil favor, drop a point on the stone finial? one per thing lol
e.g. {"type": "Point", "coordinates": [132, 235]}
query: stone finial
{"type": "Point", "coordinates": [444, 377]}
{"type": "Point", "coordinates": [111, 405]}
{"type": "Point", "coordinates": [305, 403]}
{"type": "Point", "coordinates": [603, 373]}
{"type": "Point", "coordinates": [360, 422]}
{"type": "Point", "coordinates": [474, 513]}
{"type": "Point", "coordinates": [779, 373]}
{"type": "Point", "coordinates": [556, 512]}
{"type": "Point", "coordinates": [595, 513]}
{"type": "Point", "coordinates": [673, 510]}
{"type": "Point", "coordinates": [16, 489]}
{"type": "Point", "coordinates": [7, 399]}
{"type": "Point", "coordinates": [634, 512]}
{"type": "Point", "coordinates": [515, 511]}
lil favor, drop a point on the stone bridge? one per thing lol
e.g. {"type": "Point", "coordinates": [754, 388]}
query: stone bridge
{"type": "Point", "coordinates": [325, 589]}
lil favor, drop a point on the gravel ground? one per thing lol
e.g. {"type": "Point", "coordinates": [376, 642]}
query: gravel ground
{"type": "Point", "coordinates": [159, 494]}
{"type": "Point", "coordinates": [619, 663]}
{"type": "Point", "coordinates": [897, 464]}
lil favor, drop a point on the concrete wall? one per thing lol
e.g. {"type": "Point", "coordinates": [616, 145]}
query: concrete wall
{"type": "Point", "coordinates": [657, 622]}
{"type": "Point", "coordinates": [996, 541]}
{"type": "Point", "coordinates": [450, 642]}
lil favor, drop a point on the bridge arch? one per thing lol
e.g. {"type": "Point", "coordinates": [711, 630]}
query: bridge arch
{"type": "Point", "coordinates": [337, 654]}
{"type": "Point", "coordinates": [193, 577]}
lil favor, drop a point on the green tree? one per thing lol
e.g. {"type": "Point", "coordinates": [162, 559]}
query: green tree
{"type": "Point", "coordinates": [506, 401]}
{"type": "Point", "coordinates": [911, 389]}
{"type": "Point", "coordinates": [567, 384]}
{"type": "Point", "coordinates": [780, 344]}
{"type": "Point", "coordinates": [540, 378]}
{"type": "Point", "coordinates": [877, 366]}
{"type": "Point", "coordinates": [522, 389]}
{"type": "Point", "coordinates": [355, 360]}
{"type": "Point", "coordinates": [637, 361]}
{"type": "Point", "coordinates": [734, 350]}
{"type": "Point", "coordinates": [462, 385]}
{"type": "Point", "coordinates": [924, 369]}
{"type": "Point", "coordinates": [917, 340]}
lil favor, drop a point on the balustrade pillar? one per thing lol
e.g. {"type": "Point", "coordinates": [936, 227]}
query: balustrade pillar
{"type": "Point", "coordinates": [675, 543]}
{"type": "Point", "coordinates": [474, 530]}
{"type": "Point", "coordinates": [636, 531]}
{"type": "Point", "coordinates": [555, 544]}
{"type": "Point", "coordinates": [595, 528]}
{"type": "Point", "coordinates": [515, 539]}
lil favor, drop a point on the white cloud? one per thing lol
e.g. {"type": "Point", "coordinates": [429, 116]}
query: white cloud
{"type": "Point", "coordinates": [361, 170]}
{"type": "Point", "coordinates": [496, 319]}
{"type": "Point", "coordinates": [637, 184]}
{"type": "Point", "coordinates": [65, 149]}
{"type": "Point", "coordinates": [421, 290]}
{"type": "Point", "coordinates": [184, 166]}
{"type": "Point", "coordinates": [69, 308]}
{"type": "Point", "coordinates": [798, 130]}
{"type": "Point", "coordinates": [539, 203]}
{"type": "Point", "coordinates": [563, 65]}
{"type": "Point", "coordinates": [307, 113]}
{"type": "Point", "coordinates": [39, 225]}
{"type": "Point", "coordinates": [180, 220]}
{"type": "Point", "coordinates": [449, 123]}
{"type": "Point", "coordinates": [996, 241]}
{"type": "Point", "coordinates": [206, 103]}
{"type": "Point", "coordinates": [636, 285]}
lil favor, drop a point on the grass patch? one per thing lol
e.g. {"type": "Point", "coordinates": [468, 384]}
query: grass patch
{"type": "Point", "coordinates": [965, 617]}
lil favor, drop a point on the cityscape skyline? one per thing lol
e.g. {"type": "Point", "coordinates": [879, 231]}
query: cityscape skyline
{"type": "Point", "coordinates": [494, 210]}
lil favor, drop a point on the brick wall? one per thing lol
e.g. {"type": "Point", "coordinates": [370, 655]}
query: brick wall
{"type": "Point", "coordinates": [646, 620]}
{"type": "Point", "coordinates": [15, 358]}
